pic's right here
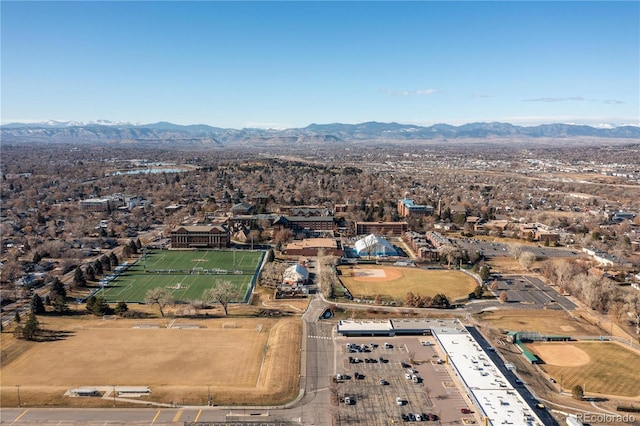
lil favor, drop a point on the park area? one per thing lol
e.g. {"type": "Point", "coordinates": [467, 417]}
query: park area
{"type": "Point", "coordinates": [601, 367]}
{"type": "Point", "coordinates": [186, 274]}
{"type": "Point", "coordinates": [394, 282]}
{"type": "Point", "coordinates": [240, 360]}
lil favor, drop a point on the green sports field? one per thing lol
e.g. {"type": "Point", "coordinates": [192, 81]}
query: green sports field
{"type": "Point", "coordinates": [186, 274]}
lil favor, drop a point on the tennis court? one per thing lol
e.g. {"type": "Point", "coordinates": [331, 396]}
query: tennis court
{"type": "Point", "coordinates": [186, 274]}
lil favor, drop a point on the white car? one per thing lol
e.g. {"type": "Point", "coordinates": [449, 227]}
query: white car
{"type": "Point", "coordinates": [426, 343]}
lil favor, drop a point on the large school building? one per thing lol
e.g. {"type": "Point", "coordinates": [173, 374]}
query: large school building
{"type": "Point", "coordinates": [200, 236]}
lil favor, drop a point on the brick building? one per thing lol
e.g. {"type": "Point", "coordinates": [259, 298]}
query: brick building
{"type": "Point", "coordinates": [200, 236]}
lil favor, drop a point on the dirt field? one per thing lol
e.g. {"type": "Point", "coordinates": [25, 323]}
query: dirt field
{"type": "Point", "coordinates": [240, 364]}
{"type": "Point", "coordinates": [602, 367]}
{"type": "Point", "coordinates": [541, 320]}
{"type": "Point", "coordinates": [395, 282]}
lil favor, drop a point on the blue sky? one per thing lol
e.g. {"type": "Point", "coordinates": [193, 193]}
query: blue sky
{"type": "Point", "coordinates": [290, 64]}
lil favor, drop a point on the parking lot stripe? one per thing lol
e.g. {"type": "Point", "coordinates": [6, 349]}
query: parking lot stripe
{"type": "Point", "coordinates": [20, 416]}
{"type": "Point", "coordinates": [177, 416]}
{"type": "Point", "coordinates": [155, 417]}
{"type": "Point", "coordinates": [197, 416]}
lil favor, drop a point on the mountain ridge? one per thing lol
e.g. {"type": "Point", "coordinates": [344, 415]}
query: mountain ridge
{"type": "Point", "coordinates": [161, 132]}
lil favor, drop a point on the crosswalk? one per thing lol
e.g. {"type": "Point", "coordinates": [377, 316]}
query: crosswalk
{"type": "Point", "coordinates": [319, 337]}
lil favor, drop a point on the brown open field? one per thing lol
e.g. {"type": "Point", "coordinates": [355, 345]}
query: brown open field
{"type": "Point", "coordinates": [241, 364]}
{"type": "Point", "coordinates": [395, 282]}
{"type": "Point", "coordinates": [508, 265]}
{"type": "Point", "coordinates": [601, 367]}
{"type": "Point", "coordinates": [542, 320]}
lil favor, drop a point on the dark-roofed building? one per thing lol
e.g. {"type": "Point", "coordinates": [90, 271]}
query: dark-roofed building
{"type": "Point", "coordinates": [381, 228]}
{"type": "Point", "coordinates": [260, 199]}
{"type": "Point", "coordinates": [242, 208]}
{"type": "Point", "coordinates": [301, 223]}
{"type": "Point", "coordinates": [200, 236]}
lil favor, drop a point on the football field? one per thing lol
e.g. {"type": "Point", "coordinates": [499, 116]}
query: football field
{"type": "Point", "coordinates": [185, 274]}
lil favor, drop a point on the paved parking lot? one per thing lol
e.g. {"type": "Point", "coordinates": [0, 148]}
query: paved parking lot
{"type": "Point", "coordinates": [373, 403]}
{"type": "Point", "coordinates": [532, 291]}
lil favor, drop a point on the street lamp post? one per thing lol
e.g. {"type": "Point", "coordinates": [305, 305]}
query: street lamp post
{"type": "Point", "coordinates": [18, 388]}
{"type": "Point", "coordinates": [114, 395]}
{"type": "Point", "coordinates": [209, 395]}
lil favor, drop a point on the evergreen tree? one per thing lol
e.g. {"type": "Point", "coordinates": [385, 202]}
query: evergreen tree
{"type": "Point", "coordinates": [90, 273]}
{"type": "Point", "coordinates": [133, 248]}
{"type": "Point", "coordinates": [577, 392]}
{"type": "Point", "coordinates": [121, 308]}
{"type": "Point", "coordinates": [97, 305]}
{"type": "Point", "coordinates": [106, 263]}
{"type": "Point", "coordinates": [16, 317]}
{"type": "Point", "coordinates": [37, 307]}
{"type": "Point", "coordinates": [60, 305]}
{"type": "Point", "coordinates": [79, 278]}
{"type": "Point", "coordinates": [57, 289]}
{"type": "Point", "coordinates": [478, 292]}
{"type": "Point", "coordinates": [138, 244]}
{"type": "Point", "coordinates": [31, 327]}
{"type": "Point", "coordinates": [114, 260]}
{"type": "Point", "coordinates": [97, 267]}
{"type": "Point", "coordinates": [37, 257]}
{"type": "Point", "coordinates": [441, 301]}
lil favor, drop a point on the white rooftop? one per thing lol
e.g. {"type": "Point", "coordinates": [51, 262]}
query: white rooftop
{"type": "Point", "coordinates": [498, 400]}
{"type": "Point", "coordinates": [364, 325]}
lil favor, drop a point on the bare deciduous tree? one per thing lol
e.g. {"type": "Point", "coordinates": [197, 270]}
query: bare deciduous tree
{"type": "Point", "coordinates": [223, 293]}
{"type": "Point", "coordinates": [526, 259]}
{"type": "Point", "coordinates": [160, 297]}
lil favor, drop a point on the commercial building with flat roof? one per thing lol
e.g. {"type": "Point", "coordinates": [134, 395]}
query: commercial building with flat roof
{"type": "Point", "coordinates": [311, 246]}
{"type": "Point", "coordinates": [488, 388]}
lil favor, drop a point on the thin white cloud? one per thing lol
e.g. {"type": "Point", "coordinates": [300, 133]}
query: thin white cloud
{"type": "Point", "coordinates": [420, 92]}
{"type": "Point", "coordinates": [575, 99]}
{"type": "Point", "coordinates": [612, 101]}
{"type": "Point", "coordinates": [552, 99]}
{"type": "Point", "coordinates": [481, 95]}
